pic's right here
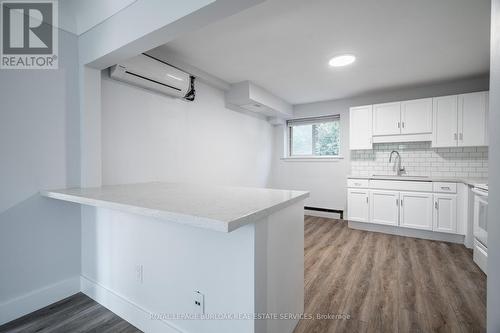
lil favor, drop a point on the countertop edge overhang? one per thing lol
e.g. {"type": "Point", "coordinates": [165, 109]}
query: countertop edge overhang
{"type": "Point", "coordinates": [464, 180]}
{"type": "Point", "coordinates": [171, 215]}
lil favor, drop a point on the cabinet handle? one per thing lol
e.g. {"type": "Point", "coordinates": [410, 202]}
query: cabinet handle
{"type": "Point", "coordinates": [403, 124]}
{"type": "Point", "coordinates": [399, 124]}
{"type": "Point", "coordinates": [461, 136]}
{"type": "Point", "coordinates": [445, 188]}
{"type": "Point", "coordinates": [397, 202]}
{"type": "Point", "coordinates": [455, 136]}
{"type": "Point", "coordinates": [366, 199]}
{"type": "Point", "coordinates": [436, 205]}
{"type": "Point", "coordinates": [357, 184]}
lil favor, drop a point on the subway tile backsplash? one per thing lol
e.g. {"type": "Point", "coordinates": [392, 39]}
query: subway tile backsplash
{"type": "Point", "coordinates": [420, 159]}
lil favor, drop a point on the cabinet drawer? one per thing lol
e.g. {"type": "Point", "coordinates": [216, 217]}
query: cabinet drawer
{"type": "Point", "coordinates": [353, 182]}
{"type": "Point", "coordinates": [443, 187]}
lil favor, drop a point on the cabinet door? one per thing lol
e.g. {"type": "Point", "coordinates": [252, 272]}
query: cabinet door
{"type": "Point", "coordinates": [416, 210]}
{"type": "Point", "coordinates": [416, 116]}
{"type": "Point", "coordinates": [384, 207]}
{"type": "Point", "coordinates": [357, 205]}
{"type": "Point", "coordinates": [445, 213]}
{"type": "Point", "coordinates": [360, 127]}
{"type": "Point", "coordinates": [472, 119]}
{"type": "Point", "coordinates": [444, 121]}
{"type": "Point", "coordinates": [387, 118]}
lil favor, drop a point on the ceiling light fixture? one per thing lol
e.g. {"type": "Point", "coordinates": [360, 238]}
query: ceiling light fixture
{"type": "Point", "coordinates": [342, 60]}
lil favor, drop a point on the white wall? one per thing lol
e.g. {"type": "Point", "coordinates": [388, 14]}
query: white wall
{"type": "Point", "coordinates": [326, 179]}
{"type": "Point", "coordinates": [151, 137]}
{"type": "Point", "coordinates": [176, 260]}
{"type": "Point", "coordinates": [494, 180]}
{"type": "Point", "coordinates": [39, 149]}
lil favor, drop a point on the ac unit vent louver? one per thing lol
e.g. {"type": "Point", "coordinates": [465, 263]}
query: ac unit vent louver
{"type": "Point", "coordinates": [151, 73]}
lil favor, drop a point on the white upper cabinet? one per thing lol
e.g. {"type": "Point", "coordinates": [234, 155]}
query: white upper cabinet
{"type": "Point", "coordinates": [445, 121]}
{"type": "Point", "coordinates": [387, 119]}
{"type": "Point", "coordinates": [405, 121]}
{"type": "Point", "coordinates": [472, 119]}
{"type": "Point", "coordinates": [416, 116]}
{"type": "Point", "coordinates": [360, 134]}
{"type": "Point", "coordinates": [460, 120]}
{"type": "Point", "coordinates": [416, 210]}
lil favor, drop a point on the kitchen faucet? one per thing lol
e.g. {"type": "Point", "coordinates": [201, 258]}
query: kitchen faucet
{"type": "Point", "coordinates": [401, 169]}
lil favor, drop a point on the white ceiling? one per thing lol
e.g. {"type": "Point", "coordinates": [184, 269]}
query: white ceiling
{"type": "Point", "coordinates": [79, 16]}
{"type": "Point", "coordinates": [285, 45]}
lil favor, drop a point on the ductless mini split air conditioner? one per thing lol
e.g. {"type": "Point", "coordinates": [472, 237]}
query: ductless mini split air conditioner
{"type": "Point", "coordinates": [151, 73]}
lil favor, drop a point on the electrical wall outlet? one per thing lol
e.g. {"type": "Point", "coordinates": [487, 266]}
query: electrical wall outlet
{"type": "Point", "coordinates": [199, 302]}
{"type": "Point", "coordinates": [139, 273]}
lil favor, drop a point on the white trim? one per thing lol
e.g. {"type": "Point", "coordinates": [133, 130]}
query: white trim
{"type": "Point", "coordinates": [315, 213]}
{"type": "Point", "coordinates": [37, 299]}
{"type": "Point", "coordinates": [128, 310]}
{"type": "Point", "coordinates": [312, 158]}
{"type": "Point", "coordinates": [407, 232]}
{"type": "Point", "coordinates": [312, 120]}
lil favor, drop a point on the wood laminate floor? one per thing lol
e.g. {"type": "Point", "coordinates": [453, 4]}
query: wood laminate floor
{"type": "Point", "coordinates": [387, 283]}
{"type": "Point", "coordinates": [77, 313]}
{"type": "Point", "coordinates": [384, 283]}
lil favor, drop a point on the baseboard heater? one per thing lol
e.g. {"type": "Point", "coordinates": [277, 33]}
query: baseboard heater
{"type": "Point", "coordinates": [326, 210]}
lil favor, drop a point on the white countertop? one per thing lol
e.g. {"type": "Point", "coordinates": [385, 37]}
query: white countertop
{"type": "Point", "coordinates": [220, 208]}
{"type": "Point", "coordinates": [476, 182]}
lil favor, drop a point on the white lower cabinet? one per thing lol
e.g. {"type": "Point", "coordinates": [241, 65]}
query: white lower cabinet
{"type": "Point", "coordinates": [445, 213]}
{"type": "Point", "coordinates": [416, 210]}
{"type": "Point", "coordinates": [357, 205]}
{"type": "Point", "coordinates": [384, 207]}
{"type": "Point", "coordinates": [415, 205]}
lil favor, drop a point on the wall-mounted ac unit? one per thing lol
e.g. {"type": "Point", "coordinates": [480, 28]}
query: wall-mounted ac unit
{"type": "Point", "coordinates": [153, 74]}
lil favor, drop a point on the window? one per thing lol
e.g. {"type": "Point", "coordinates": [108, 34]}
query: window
{"type": "Point", "coordinates": [314, 137]}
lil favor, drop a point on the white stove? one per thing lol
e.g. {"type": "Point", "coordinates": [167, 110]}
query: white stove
{"type": "Point", "coordinates": [481, 226]}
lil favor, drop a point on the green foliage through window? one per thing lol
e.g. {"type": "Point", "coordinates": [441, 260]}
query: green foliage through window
{"type": "Point", "coordinates": [311, 138]}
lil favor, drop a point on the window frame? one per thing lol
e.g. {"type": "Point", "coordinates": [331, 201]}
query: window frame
{"type": "Point", "coordinates": [304, 121]}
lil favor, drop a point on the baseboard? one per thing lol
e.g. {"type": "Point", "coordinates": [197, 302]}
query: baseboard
{"type": "Point", "coordinates": [424, 234]}
{"type": "Point", "coordinates": [131, 312]}
{"type": "Point", "coordinates": [37, 299]}
{"type": "Point", "coordinates": [322, 214]}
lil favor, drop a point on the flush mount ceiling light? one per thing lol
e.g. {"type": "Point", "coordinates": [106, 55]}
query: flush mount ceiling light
{"type": "Point", "coordinates": [342, 60]}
